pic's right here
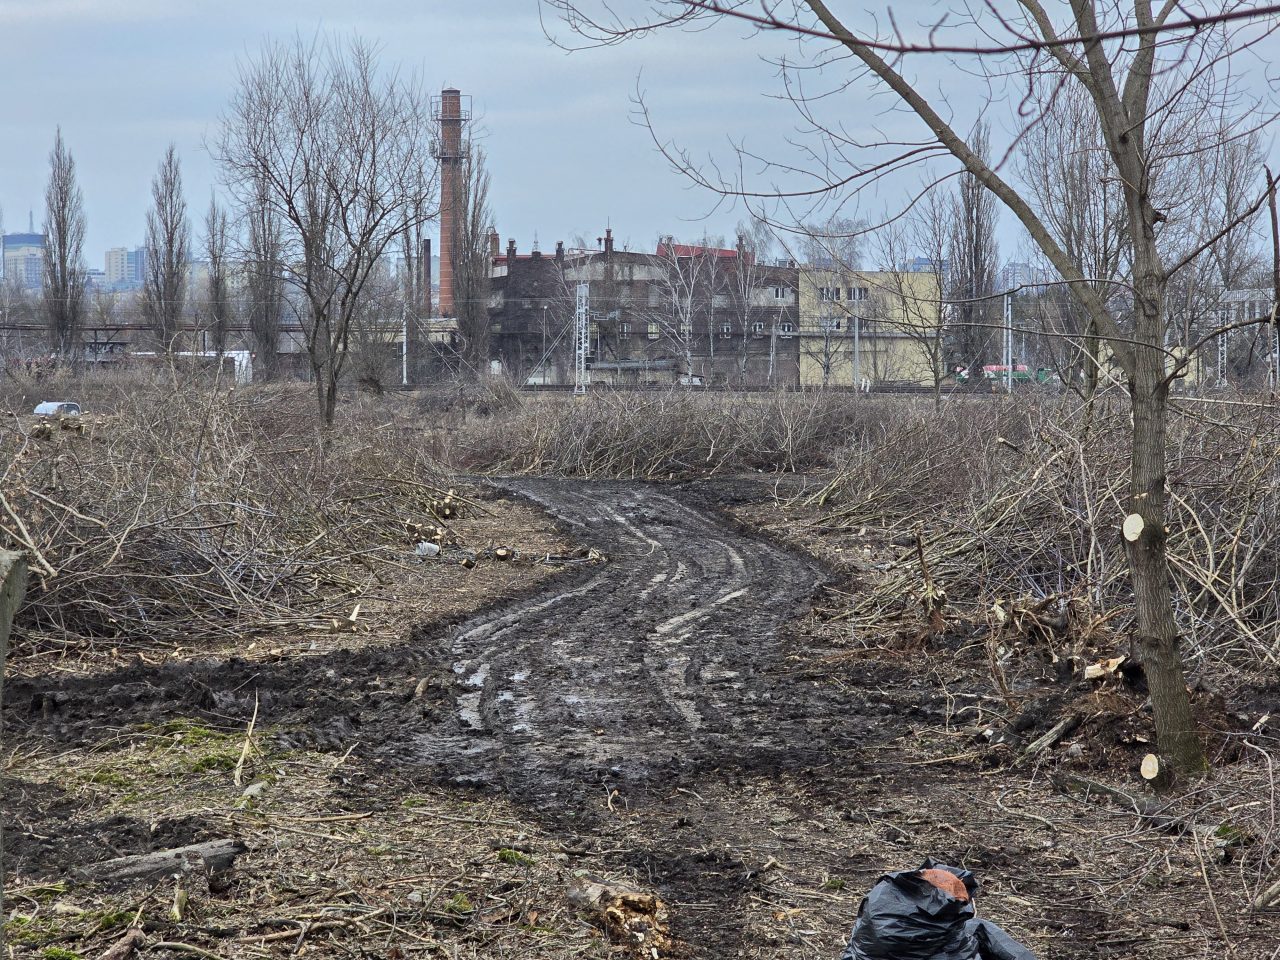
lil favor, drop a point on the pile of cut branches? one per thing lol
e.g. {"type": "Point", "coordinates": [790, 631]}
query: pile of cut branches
{"type": "Point", "coordinates": [676, 433]}
{"type": "Point", "coordinates": [1013, 512]}
{"type": "Point", "coordinates": [191, 517]}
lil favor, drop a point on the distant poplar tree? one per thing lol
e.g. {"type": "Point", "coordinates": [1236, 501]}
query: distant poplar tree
{"type": "Point", "coordinates": [64, 269]}
{"type": "Point", "coordinates": [168, 244]}
{"type": "Point", "coordinates": [216, 234]}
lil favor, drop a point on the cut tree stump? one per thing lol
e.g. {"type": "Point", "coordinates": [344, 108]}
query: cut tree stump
{"type": "Point", "coordinates": [216, 856]}
{"type": "Point", "coordinates": [13, 586]}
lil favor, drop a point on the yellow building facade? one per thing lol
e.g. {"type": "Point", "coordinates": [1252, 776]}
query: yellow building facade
{"type": "Point", "coordinates": [860, 328]}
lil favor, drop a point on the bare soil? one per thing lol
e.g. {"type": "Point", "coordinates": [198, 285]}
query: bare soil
{"type": "Point", "coordinates": [669, 711]}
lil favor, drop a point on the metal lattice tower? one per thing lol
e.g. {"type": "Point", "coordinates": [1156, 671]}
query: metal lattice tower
{"type": "Point", "coordinates": [581, 339]}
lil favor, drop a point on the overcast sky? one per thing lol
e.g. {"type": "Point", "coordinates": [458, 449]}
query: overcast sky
{"type": "Point", "coordinates": [125, 77]}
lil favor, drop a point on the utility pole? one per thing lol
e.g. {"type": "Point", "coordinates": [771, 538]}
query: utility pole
{"type": "Point", "coordinates": [857, 352]}
{"type": "Point", "coordinates": [1008, 343]}
{"type": "Point", "coordinates": [404, 342]}
{"type": "Point", "coordinates": [581, 339]}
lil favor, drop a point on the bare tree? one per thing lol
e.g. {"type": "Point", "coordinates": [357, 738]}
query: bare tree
{"type": "Point", "coordinates": [831, 244]}
{"type": "Point", "coordinates": [216, 238]}
{"type": "Point", "coordinates": [168, 243]}
{"type": "Point", "coordinates": [415, 281]}
{"type": "Point", "coordinates": [1156, 95]}
{"type": "Point", "coordinates": [334, 148]}
{"type": "Point", "coordinates": [744, 282]}
{"type": "Point", "coordinates": [264, 284]}
{"type": "Point", "coordinates": [471, 261]}
{"type": "Point", "coordinates": [680, 305]}
{"type": "Point", "coordinates": [918, 310]}
{"type": "Point", "coordinates": [972, 264]}
{"type": "Point", "coordinates": [1066, 170]}
{"type": "Point", "coordinates": [64, 270]}
{"type": "Point", "coordinates": [376, 329]}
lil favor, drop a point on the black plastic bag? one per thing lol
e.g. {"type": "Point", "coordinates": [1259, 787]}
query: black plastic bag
{"type": "Point", "coordinates": [905, 917]}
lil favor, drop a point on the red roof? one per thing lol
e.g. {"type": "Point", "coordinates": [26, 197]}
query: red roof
{"type": "Point", "coordinates": [678, 250]}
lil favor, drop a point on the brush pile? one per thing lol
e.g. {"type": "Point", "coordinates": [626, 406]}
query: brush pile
{"type": "Point", "coordinates": [666, 435]}
{"type": "Point", "coordinates": [1012, 513]}
{"type": "Point", "coordinates": [201, 516]}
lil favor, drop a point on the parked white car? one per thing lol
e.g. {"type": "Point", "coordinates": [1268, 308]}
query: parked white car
{"type": "Point", "coordinates": [57, 408]}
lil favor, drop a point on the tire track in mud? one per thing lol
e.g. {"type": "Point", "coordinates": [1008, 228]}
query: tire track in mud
{"type": "Point", "coordinates": [662, 661]}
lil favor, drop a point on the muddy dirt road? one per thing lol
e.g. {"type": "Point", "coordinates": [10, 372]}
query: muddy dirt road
{"type": "Point", "coordinates": [658, 663]}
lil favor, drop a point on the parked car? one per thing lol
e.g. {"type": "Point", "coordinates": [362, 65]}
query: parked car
{"type": "Point", "coordinates": [57, 408]}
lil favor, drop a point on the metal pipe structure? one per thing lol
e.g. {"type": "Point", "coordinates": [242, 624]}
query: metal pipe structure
{"type": "Point", "coordinates": [582, 339]}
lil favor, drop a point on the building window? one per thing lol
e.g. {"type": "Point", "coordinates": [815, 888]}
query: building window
{"type": "Point", "coordinates": [788, 328]}
{"type": "Point", "coordinates": [781, 293]}
{"type": "Point", "coordinates": [758, 328]}
{"type": "Point", "coordinates": [686, 331]}
{"type": "Point", "coordinates": [829, 323]}
{"type": "Point", "coordinates": [624, 328]}
{"type": "Point", "coordinates": [726, 331]}
{"type": "Point", "coordinates": [859, 293]}
{"type": "Point", "coordinates": [653, 331]}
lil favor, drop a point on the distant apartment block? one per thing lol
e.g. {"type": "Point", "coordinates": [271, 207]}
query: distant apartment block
{"type": "Point", "coordinates": [125, 269]}
{"type": "Point", "coordinates": [23, 258]}
{"type": "Point", "coordinates": [1019, 276]}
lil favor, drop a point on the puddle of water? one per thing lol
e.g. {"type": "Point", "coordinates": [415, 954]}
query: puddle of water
{"type": "Point", "coordinates": [478, 678]}
{"type": "Point", "coordinates": [469, 710]}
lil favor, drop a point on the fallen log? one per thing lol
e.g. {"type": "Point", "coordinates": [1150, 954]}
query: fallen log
{"type": "Point", "coordinates": [1059, 730]}
{"type": "Point", "coordinates": [216, 856]}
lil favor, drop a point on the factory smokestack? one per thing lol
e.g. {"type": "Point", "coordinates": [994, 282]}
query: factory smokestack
{"type": "Point", "coordinates": [450, 116]}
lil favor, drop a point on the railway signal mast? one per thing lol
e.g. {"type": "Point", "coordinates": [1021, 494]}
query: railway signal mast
{"type": "Point", "coordinates": [581, 340]}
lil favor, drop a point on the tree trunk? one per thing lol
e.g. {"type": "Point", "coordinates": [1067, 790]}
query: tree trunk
{"type": "Point", "coordinates": [1158, 642]}
{"type": "Point", "coordinates": [13, 585]}
{"type": "Point", "coordinates": [329, 397]}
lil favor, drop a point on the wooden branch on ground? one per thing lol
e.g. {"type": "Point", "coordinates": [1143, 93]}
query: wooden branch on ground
{"type": "Point", "coordinates": [215, 856]}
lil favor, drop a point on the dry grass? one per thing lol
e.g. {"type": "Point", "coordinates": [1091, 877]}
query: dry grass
{"type": "Point", "coordinates": [211, 518]}
{"type": "Point", "coordinates": [663, 435]}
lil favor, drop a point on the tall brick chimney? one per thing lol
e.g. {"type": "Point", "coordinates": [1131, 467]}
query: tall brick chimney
{"type": "Point", "coordinates": [450, 117]}
{"type": "Point", "coordinates": [608, 241]}
{"type": "Point", "coordinates": [495, 245]}
{"type": "Point", "coordinates": [560, 252]}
